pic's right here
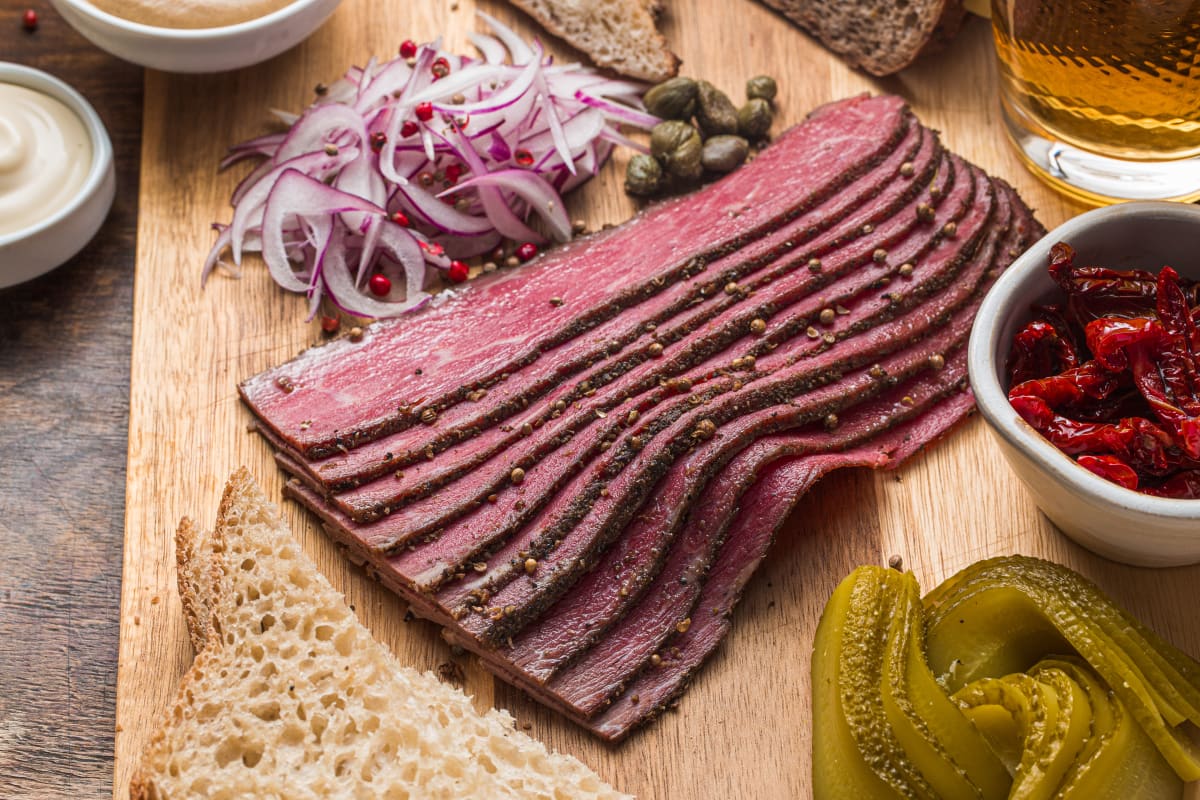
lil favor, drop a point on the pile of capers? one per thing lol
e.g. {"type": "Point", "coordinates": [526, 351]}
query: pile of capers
{"type": "Point", "coordinates": [702, 131]}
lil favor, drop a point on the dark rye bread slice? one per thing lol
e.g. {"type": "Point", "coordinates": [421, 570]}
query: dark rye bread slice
{"type": "Point", "coordinates": [606, 350]}
{"type": "Point", "coordinates": [674, 346]}
{"type": "Point", "coordinates": [511, 504]}
{"type": "Point", "coordinates": [799, 364]}
{"type": "Point", "coordinates": [880, 36]}
{"type": "Point", "coordinates": [618, 34]}
{"type": "Point", "coordinates": [344, 393]}
{"type": "Point", "coordinates": [580, 526]}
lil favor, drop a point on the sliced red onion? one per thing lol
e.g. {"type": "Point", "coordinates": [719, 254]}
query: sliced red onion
{"type": "Point", "coordinates": [249, 209]}
{"type": "Point", "coordinates": [556, 128]}
{"type": "Point", "coordinates": [542, 199]}
{"type": "Point", "coordinates": [224, 237]}
{"type": "Point", "coordinates": [361, 177]}
{"type": "Point", "coordinates": [619, 112]}
{"type": "Point", "coordinates": [314, 205]}
{"type": "Point", "coordinates": [319, 127]}
{"type": "Point", "coordinates": [349, 298]}
{"type": "Point", "coordinates": [491, 48]}
{"type": "Point", "coordinates": [518, 51]}
{"type": "Point", "coordinates": [440, 216]}
{"type": "Point", "coordinates": [496, 143]}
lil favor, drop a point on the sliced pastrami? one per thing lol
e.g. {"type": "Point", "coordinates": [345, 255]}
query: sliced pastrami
{"type": "Point", "coordinates": [488, 521]}
{"type": "Point", "coordinates": [583, 518]}
{"type": "Point", "coordinates": [344, 393]}
{"type": "Point", "coordinates": [867, 201]}
{"type": "Point", "coordinates": [529, 436]}
{"type": "Point", "coordinates": [764, 508]}
{"type": "Point", "coordinates": [646, 694]}
{"type": "Point", "coordinates": [616, 584]}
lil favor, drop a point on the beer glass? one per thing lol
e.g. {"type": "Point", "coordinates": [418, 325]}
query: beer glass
{"type": "Point", "coordinates": [1102, 97]}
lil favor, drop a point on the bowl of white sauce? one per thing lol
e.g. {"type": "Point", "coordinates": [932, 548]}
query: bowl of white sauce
{"type": "Point", "coordinates": [57, 178]}
{"type": "Point", "coordinates": [195, 35]}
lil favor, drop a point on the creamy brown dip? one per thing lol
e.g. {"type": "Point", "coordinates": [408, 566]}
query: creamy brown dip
{"type": "Point", "coordinates": [190, 13]}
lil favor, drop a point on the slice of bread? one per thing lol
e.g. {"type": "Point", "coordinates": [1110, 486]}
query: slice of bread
{"type": "Point", "coordinates": [880, 36]}
{"type": "Point", "coordinates": [618, 34]}
{"type": "Point", "coordinates": [290, 697]}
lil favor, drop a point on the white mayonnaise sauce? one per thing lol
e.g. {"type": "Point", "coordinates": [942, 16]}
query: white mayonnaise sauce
{"type": "Point", "coordinates": [45, 155]}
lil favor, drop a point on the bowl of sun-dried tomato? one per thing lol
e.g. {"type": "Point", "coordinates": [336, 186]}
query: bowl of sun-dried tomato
{"type": "Point", "coordinates": [1085, 362]}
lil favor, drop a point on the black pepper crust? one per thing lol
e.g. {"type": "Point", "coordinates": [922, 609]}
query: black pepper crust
{"type": "Point", "coordinates": [690, 352]}
{"type": "Point", "coordinates": [609, 355]}
{"type": "Point", "coordinates": [588, 319]}
{"type": "Point", "coordinates": [783, 392]}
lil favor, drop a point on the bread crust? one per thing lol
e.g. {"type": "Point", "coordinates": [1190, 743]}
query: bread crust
{"type": "Point", "coordinates": [941, 21]}
{"type": "Point", "coordinates": [665, 64]}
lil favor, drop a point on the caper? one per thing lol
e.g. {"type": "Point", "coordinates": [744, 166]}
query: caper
{"type": "Point", "coordinates": [673, 99]}
{"type": "Point", "coordinates": [754, 118]}
{"type": "Point", "coordinates": [666, 136]}
{"type": "Point", "coordinates": [724, 153]}
{"type": "Point", "coordinates": [715, 111]}
{"type": "Point", "coordinates": [761, 86]}
{"type": "Point", "coordinates": [677, 145]}
{"type": "Point", "coordinates": [643, 175]}
{"type": "Point", "coordinates": [685, 161]}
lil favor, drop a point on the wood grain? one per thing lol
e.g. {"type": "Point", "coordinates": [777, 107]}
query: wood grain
{"type": "Point", "coordinates": [749, 709]}
{"type": "Point", "coordinates": [64, 383]}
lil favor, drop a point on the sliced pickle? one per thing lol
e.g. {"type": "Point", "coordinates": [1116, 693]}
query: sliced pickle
{"type": "Point", "coordinates": [1118, 760]}
{"type": "Point", "coordinates": [882, 726]}
{"type": "Point", "coordinates": [935, 734]}
{"type": "Point", "coordinates": [1051, 719]}
{"type": "Point", "coordinates": [1003, 615]}
{"type": "Point", "coordinates": [840, 769]}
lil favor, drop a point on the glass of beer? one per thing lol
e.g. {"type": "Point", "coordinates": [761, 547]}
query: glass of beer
{"type": "Point", "coordinates": [1102, 97]}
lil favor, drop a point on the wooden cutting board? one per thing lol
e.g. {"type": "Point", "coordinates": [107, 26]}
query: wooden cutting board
{"type": "Point", "coordinates": [743, 730]}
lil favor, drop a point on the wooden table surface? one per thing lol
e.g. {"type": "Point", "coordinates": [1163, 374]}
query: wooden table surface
{"type": "Point", "coordinates": [65, 375]}
{"type": "Point", "coordinates": [64, 401]}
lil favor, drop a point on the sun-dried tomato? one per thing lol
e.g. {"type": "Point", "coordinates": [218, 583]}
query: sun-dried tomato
{"type": "Point", "coordinates": [1110, 468]}
{"type": "Point", "coordinates": [1183, 486]}
{"type": "Point", "coordinates": [1111, 375]}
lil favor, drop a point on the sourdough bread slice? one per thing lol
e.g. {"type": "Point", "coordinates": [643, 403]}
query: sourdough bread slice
{"type": "Point", "coordinates": [291, 697]}
{"type": "Point", "coordinates": [618, 34]}
{"type": "Point", "coordinates": [880, 36]}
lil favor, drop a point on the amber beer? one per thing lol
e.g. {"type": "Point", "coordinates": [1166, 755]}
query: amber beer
{"type": "Point", "coordinates": [1117, 78]}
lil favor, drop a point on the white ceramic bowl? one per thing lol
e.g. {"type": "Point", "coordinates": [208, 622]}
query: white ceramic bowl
{"type": "Point", "coordinates": [32, 251]}
{"type": "Point", "coordinates": [1117, 523]}
{"type": "Point", "coordinates": [198, 49]}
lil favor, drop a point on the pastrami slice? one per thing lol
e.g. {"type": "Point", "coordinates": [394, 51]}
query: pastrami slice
{"type": "Point", "coordinates": [681, 345]}
{"type": "Point", "coordinates": [345, 392]}
{"type": "Point", "coordinates": [605, 352]}
{"type": "Point", "coordinates": [581, 520]}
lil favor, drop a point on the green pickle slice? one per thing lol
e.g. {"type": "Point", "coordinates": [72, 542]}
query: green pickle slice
{"type": "Point", "coordinates": [1014, 678]}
